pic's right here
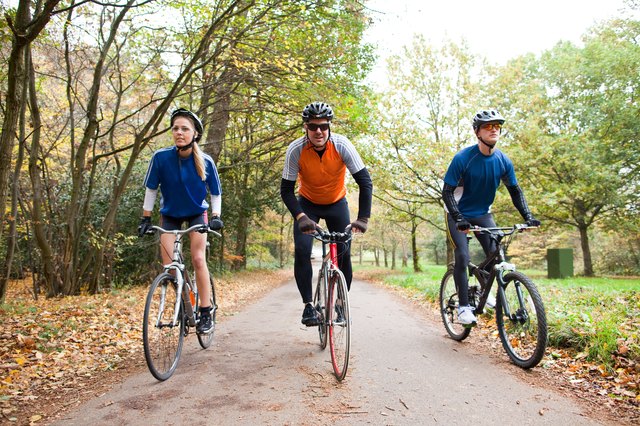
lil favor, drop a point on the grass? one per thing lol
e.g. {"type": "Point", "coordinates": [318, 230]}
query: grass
{"type": "Point", "coordinates": [598, 318]}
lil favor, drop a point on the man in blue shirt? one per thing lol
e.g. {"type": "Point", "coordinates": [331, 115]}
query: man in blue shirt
{"type": "Point", "coordinates": [470, 186]}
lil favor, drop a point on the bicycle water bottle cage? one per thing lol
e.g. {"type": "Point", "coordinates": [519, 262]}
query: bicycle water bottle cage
{"type": "Point", "coordinates": [505, 266]}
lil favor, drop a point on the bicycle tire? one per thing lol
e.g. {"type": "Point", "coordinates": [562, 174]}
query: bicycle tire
{"type": "Point", "coordinates": [449, 303]}
{"type": "Point", "coordinates": [206, 339]}
{"type": "Point", "coordinates": [339, 328]}
{"type": "Point", "coordinates": [522, 327]}
{"type": "Point", "coordinates": [320, 303]}
{"type": "Point", "coordinates": [161, 338]}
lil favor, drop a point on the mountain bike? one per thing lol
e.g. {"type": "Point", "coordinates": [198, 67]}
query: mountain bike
{"type": "Point", "coordinates": [171, 309]}
{"type": "Point", "coordinates": [331, 300]}
{"type": "Point", "coordinates": [520, 313]}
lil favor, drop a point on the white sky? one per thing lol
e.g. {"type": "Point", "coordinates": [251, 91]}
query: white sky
{"type": "Point", "coordinates": [496, 29]}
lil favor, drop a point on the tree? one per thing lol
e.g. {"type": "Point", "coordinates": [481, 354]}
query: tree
{"type": "Point", "coordinates": [425, 115]}
{"type": "Point", "coordinates": [575, 123]}
{"type": "Point", "coordinates": [102, 82]}
{"type": "Point", "coordinates": [25, 27]}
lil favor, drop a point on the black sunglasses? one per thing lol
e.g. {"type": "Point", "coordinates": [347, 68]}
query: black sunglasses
{"type": "Point", "coordinates": [313, 127]}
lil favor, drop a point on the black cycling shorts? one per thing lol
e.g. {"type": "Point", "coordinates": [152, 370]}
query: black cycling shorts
{"type": "Point", "coordinates": [171, 223]}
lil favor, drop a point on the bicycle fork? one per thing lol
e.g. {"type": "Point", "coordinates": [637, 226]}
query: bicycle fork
{"type": "Point", "coordinates": [180, 286]}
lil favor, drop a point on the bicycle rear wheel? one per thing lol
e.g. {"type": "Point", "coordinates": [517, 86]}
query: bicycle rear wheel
{"type": "Point", "coordinates": [522, 321]}
{"type": "Point", "coordinates": [320, 303]}
{"type": "Point", "coordinates": [161, 337]}
{"type": "Point", "coordinates": [449, 303]}
{"type": "Point", "coordinates": [206, 339]}
{"type": "Point", "coordinates": [339, 324]}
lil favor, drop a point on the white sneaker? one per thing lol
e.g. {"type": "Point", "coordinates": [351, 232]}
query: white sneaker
{"type": "Point", "coordinates": [466, 315]}
{"type": "Point", "coordinates": [491, 301]}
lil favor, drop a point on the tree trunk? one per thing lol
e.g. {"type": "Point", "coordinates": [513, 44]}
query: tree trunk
{"type": "Point", "coordinates": [394, 248]}
{"type": "Point", "coordinates": [50, 276]}
{"type": "Point", "coordinates": [5, 276]}
{"type": "Point", "coordinates": [405, 260]}
{"type": "Point", "coordinates": [414, 247]}
{"type": "Point", "coordinates": [586, 251]}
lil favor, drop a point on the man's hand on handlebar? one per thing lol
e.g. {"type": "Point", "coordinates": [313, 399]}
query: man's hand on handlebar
{"type": "Point", "coordinates": [306, 225]}
{"type": "Point", "coordinates": [360, 225]}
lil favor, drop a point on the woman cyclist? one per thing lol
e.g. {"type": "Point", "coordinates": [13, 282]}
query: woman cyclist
{"type": "Point", "coordinates": [184, 174]}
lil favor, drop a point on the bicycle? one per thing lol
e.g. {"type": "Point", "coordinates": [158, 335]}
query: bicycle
{"type": "Point", "coordinates": [331, 300]}
{"type": "Point", "coordinates": [171, 309]}
{"type": "Point", "coordinates": [519, 310]}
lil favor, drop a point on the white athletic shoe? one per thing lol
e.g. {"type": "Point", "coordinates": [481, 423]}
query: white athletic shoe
{"type": "Point", "coordinates": [466, 315]}
{"type": "Point", "coordinates": [491, 301]}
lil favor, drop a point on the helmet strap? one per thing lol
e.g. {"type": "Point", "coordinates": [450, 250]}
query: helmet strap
{"type": "Point", "coordinates": [185, 148]}
{"type": "Point", "coordinates": [490, 146]}
{"type": "Point", "coordinates": [188, 146]}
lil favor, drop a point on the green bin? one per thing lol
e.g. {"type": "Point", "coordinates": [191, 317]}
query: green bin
{"type": "Point", "coordinates": [559, 263]}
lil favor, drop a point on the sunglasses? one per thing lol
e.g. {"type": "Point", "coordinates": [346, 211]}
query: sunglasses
{"type": "Point", "coordinates": [489, 126]}
{"type": "Point", "coordinates": [313, 127]}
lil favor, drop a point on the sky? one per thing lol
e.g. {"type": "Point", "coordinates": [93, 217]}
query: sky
{"type": "Point", "coordinates": [498, 29]}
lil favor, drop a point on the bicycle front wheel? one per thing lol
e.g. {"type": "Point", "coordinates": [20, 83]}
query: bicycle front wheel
{"type": "Point", "coordinates": [449, 303]}
{"type": "Point", "coordinates": [521, 320]}
{"type": "Point", "coordinates": [162, 337]}
{"type": "Point", "coordinates": [206, 339]}
{"type": "Point", "coordinates": [320, 303]}
{"type": "Point", "coordinates": [339, 324]}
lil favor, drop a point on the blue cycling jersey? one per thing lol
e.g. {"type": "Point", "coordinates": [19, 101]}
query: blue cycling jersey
{"type": "Point", "coordinates": [183, 191]}
{"type": "Point", "coordinates": [476, 177]}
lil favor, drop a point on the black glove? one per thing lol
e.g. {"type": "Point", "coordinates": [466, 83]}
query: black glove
{"type": "Point", "coordinates": [145, 226]}
{"type": "Point", "coordinates": [215, 223]}
{"type": "Point", "coordinates": [462, 225]}
{"type": "Point", "coordinates": [360, 224]}
{"type": "Point", "coordinates": [532, 221]}
{"type": "Point", "coordinates": [305, 224]}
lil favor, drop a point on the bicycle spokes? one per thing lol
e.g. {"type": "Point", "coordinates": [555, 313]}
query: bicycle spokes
{"type": "Point", "coordinates": [449, 304]}
{"type": "Point", "coordinates": [521, 320]}
{"type": "Point", "coordinates": [162, 337]}
{"type": "Point", "coordinates": [339, 324]}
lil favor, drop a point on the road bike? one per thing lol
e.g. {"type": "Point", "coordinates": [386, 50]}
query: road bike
{"type": "Point", "coordinates": [172, 309]}
{"type": "Point", "coordinates": [331, 300]}
{"type": "Point", "coordinates": [519, 310]}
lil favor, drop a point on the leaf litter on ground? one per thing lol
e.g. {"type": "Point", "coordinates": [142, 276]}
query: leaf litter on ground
{"type": "Point", "coordinates": [55, 350]}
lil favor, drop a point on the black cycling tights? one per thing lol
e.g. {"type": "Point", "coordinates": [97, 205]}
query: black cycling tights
{"type": "Point", "coordinates": [461, 252]}
{"type": "Point", "coordinates": [336, 216]}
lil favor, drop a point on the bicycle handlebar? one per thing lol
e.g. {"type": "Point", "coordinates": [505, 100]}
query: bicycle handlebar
{"type": "Point", "coordinates": [504, 230]}
{"type": "Point", "coordinates": [202, 228]}
{"type": "Point", "coordinates": [333, 237]}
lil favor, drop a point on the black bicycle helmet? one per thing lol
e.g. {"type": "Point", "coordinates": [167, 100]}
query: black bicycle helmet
{"type": "Point", "coordinates": [487, 116]}
{"type": "Point", "coordinates": [317, 110]}
{"type": "Point", "coordinates": [181, 112]}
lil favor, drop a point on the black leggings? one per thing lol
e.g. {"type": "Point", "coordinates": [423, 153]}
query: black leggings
{"type": "Point", "coordinates": [461, 251]}
{"type": "Point", "coordinates": [336, 216]}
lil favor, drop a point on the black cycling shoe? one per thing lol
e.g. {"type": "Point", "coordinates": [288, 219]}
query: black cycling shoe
{"type": "Point", "coordinates": [205, 325]}
{"type": "Point", "coordinates": [310, 316]}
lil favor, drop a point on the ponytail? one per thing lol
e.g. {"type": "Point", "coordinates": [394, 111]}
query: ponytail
{"type": "Point", "coordinates": [199, 161]}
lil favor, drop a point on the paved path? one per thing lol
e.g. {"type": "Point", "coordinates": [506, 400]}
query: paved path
{"type": "Point", "coordinates": [266, 368]}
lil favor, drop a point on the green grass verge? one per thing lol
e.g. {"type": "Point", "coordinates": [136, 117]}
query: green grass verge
{"type": "Point", "coordinates": [596, 317]}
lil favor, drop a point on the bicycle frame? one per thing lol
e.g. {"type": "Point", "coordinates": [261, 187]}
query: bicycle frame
{"type": "Point", "coordinates": [495, 264]}
{"type": "Point", "coordinates": [181, 274]}
{"type": "Point", "coordinates": [519, 310]}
